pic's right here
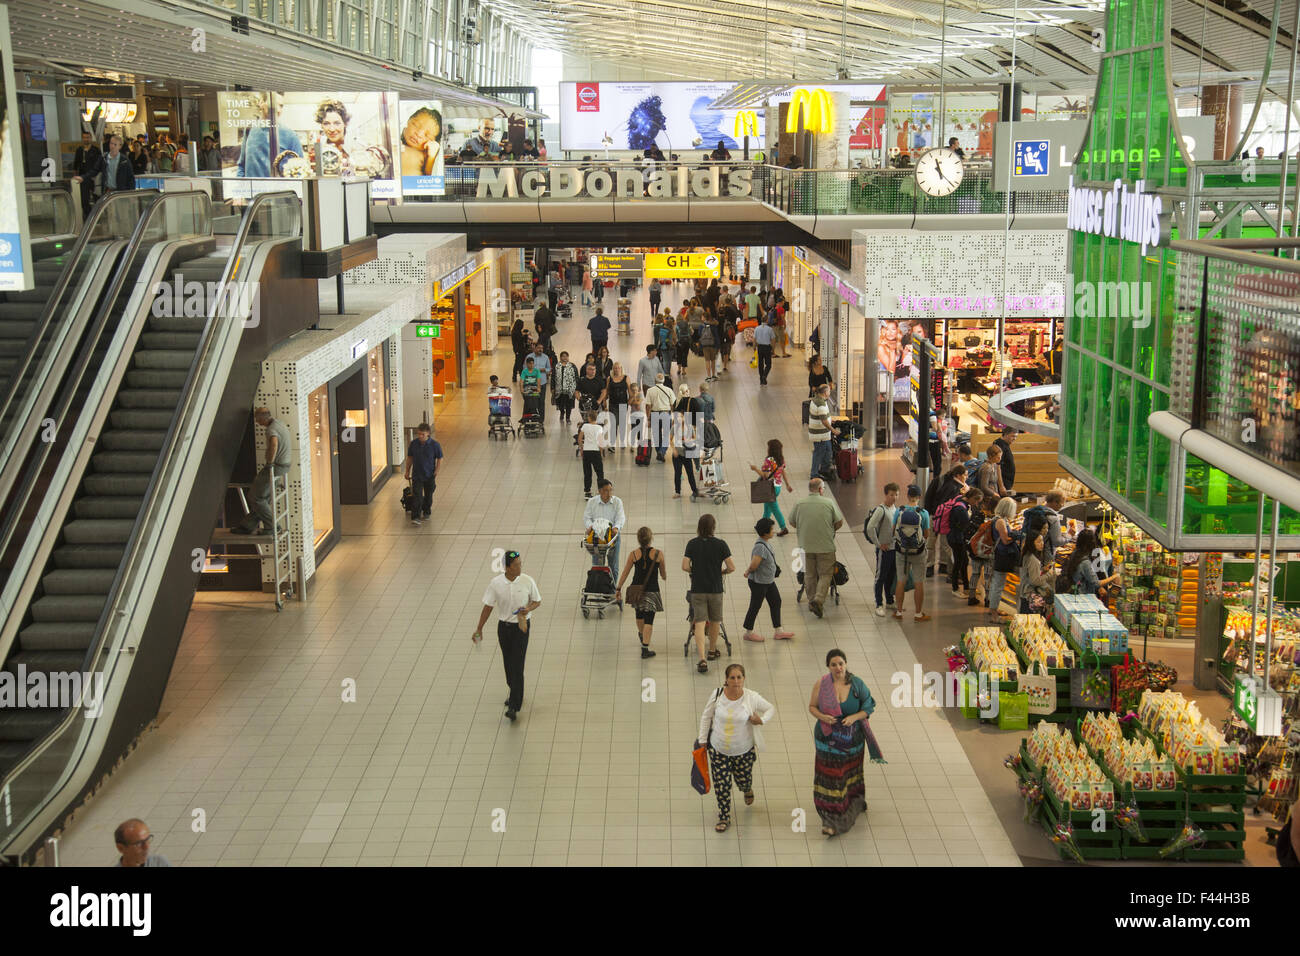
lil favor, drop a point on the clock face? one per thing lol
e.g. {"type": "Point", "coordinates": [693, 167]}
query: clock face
{"type": "Point", "coordinates": [939, 171]}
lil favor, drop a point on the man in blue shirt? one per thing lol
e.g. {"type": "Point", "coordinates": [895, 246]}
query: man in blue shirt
{"type": "Point", "coordinates": [599, 329]}
{"type": "Point", "coordinates": [764, 335]}
{"type": "Point", "coordinates": [542, 365]}
{"type": "Point", "coordinates": [423, 459]}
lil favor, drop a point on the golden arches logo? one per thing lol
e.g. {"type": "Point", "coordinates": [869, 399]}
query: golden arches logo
{"type": "Point", "coordinates": [746, 124]}
{"type": "Point", "coordinates": [815, 105]}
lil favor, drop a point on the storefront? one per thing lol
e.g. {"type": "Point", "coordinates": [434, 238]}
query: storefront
{"type": "Point", "coordinates": [834, 311]}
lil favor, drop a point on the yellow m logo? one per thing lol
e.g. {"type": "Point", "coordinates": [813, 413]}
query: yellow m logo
{"type": "Point", "coordinates": [819, 114]}
{"type": "Point", "coordinates": [746, 124]}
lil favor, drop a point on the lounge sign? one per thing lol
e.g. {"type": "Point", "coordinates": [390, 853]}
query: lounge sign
{"type": "Point", "coordinates": [1133, 215]}
{"type": "Point", "coordinates": [560, 182]}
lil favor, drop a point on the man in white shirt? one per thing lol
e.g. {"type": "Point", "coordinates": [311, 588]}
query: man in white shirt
{"type": "Point", "coordinates": [605, 505]}
{"type": "Point", "coordinates": [512, 597]}
{"type": "Point", "coordinates": [659, 402]}
{"type": "Point", "coordinates": [591, 439]}
{"type": "Point", "coordinates": [819, 430]}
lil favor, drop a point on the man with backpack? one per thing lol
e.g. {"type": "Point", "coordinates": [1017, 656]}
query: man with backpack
{"type": "Point", "coordinates": [816, 519]}
{"type": "Point", "coordinates": [878, 529]}
{"type": "Point", "coordinates": [659, 404]}
{"type": "Point", "coordinates": [952, 520]}
{"type": "Point", "coordinates": [911, 524]}
{"type": "Point", "coordinates": [978, 546]}
{"type": "Point", "coordinates": [1048, 516]}
{"type": "Point", "coordinates": [709, 336]}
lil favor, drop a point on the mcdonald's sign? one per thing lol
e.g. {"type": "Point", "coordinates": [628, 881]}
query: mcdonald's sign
{"type": "Point", "coordinates": [746, 124]}
{"type": "Point", "coordinates": [819, 114]}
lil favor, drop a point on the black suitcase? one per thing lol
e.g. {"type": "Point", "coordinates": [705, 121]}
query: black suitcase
{"type": "Point", "coordinates": [805, 411]}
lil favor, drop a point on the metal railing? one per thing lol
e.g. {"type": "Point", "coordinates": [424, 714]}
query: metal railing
{"type": "Point", "coordinates": [51, 211]}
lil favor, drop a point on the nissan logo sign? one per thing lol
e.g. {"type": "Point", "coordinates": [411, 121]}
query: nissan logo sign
{"type": "Point", "coordinates": [587, 94]}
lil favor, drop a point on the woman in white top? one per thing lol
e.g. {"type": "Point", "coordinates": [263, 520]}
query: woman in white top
{"type": "Point", "coordinates": [731, 727]}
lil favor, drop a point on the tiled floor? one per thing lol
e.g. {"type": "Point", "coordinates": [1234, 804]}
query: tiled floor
{"type": "Point", "coordinates": [423, 769]}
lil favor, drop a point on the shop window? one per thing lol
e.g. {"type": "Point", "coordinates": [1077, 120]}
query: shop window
{"type": "Point", "coordinates": [322, 463]}
{"type": "Point", "coordinates": [376, 397]}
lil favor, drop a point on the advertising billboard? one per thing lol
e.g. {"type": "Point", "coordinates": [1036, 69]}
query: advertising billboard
{"type": "Point", "coordinates": [292, 135]}
{"type": "Point", "coordinates": [422, 145]}
{"type": "Point", "coordinates": [15, 244]}
{"type": "Point", "coordinates": [636, 115]}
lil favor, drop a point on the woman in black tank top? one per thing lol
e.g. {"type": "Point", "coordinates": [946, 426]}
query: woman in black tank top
{"type": "Point", "coordinates": [646, 566]}
{"type": "Point", "coordinates": [616, 393]}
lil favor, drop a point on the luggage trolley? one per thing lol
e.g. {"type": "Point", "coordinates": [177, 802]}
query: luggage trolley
{"type": "Point", "coordinates": [598, 591]}
{"type": "Point", "coordinates": [690, 630]}
{"type": "Point", "coordinates": [716, 486]}
{"type": "Point", "coordinates": [499, 420]}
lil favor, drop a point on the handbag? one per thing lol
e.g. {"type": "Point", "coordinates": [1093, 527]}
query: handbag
{"type": "Point", "coordinates": [700, 768]}
{"type": "Point", "coordinates": [762, 491]}
{"type": "Point", "coordinates": [636, 592]}
{"type": "Point", "coordinates": [777, 573]}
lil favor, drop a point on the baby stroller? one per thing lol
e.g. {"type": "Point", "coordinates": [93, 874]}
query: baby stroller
{"type": "Point", "coordinates": [564, 305]}
{"type": "Point", "coordinates": [839, 575]}
{"type": "Point", "coordinates": [716, 486]}
{"type": "Point", "coordinates": [690, 630]}
{"type": "Point", "coordinates": [598, 592]}
{"type": "Point", "coordinates": [499, 421]}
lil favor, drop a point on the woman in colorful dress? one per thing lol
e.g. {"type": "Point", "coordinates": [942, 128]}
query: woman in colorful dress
{"type": "Point", "coordinates": [841, 703]}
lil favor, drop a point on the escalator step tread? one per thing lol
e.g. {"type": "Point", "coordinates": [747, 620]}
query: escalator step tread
{"type": "Point", "coordinates": [118, 462]}
{"type": "Point", "coordinates": [66, 608]}
{"type": "Point", "coordinates": [85, 581]}
{"type": "Point", "coordinates": [69, 636]}
{"type": "Point", "coordinates": [179, 341]}
{"type": "Point", "coordinates": [140, 418]}
{"type": "Point", "coordinates": [156, 379]}
{"type": "Point", "coordinates": [108, 506]}
{"type": "Point", "coordinates": [148, 398]}
{"type": "Point", "coordinates": [132, 439]}
{"type": "Point", "coordinates": [169, 359]}
{"type": "Point", "coordinates": [66, 662]}
{"type": "Point", "coordinates": [81, 556]}
{"type": "Point", "coordinates": [26, 724]}
{"type": "Point", "coordinates": [178, 323]}
{"type": "Point", "coordinates": [104, 531]}
{"type": "Point", "coordinates": [129, 485]}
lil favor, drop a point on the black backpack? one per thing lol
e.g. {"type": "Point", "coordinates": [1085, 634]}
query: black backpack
{"type": "Point", "coordinates": [599, 581]}
{"type": "Point", "coordinates": [866, 525]}
{"type": "Point", "coordinates": [1006, 556]}
{"type": "Point", "coordinates": [1035, 517]}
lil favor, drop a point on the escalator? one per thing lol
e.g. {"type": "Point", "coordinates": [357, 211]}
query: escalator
{"type": "Point", "coordinates": [98, 574]}
{"type": "Point", "coordinates": [20, 314]}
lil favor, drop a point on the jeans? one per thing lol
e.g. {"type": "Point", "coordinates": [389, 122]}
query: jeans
{"type": "Point", "coordinates": [514, 648]}
{"type": "Point", "coordinates": [886, 577]}
{"type": "Point", "coordinates": [996, 584]}
{"type": "Point", "coordinates": [682, 463]}
{"type": "Point", "coordinates": [978, 567]}
{"type": "Point", "coordinates": [423, 489]}
{"type": "Point", "coordinates": [262, 491]}
{"type": "Point", "coordinates": [817, 571]}
{"type": "Point", "coordinates": [764, 363]}
{"type": "Point", "coordinates": [591, 462]}
{"type": "Point", "coordinates": [821, 457]}
{"type": "Point", "coordinates": [773, 510]}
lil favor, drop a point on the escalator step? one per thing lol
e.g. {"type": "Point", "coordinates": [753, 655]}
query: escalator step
{"type": "Point", "coordinates": [68, 608]}
{"type": "Point", "coordinates": [129, 485]}
{"type": "Point", "coordinates": [140, 418]}
{"type": "Point", "coordinates": [135, 439]}
{"type": "Point", "coordinates": [51, 662]}
{"type": "Point", "coordinates": [97, 531]}
{"type": "Point", "coordinates": [135, 397]}
{"type": "Point", "coordinates": [176, 324]}
{"type": "Point", "coordinates": [111, 506]}
{"type": "Point", "coordinates": [86, 581]}
{"type": "Point", "coordinates": [27, 724]}
{"type": "Point", "coordinates": [77, 557]}
{"type": "Point", "coordinates": [16, 324]}
{"type": "Point", "coordinates": [118, 462]}
{"type": "Point", "coordinates": [156, 378]}
{"type": "Point", "coordinates": [182, 341]}
{"type": "Point", "coordinates": [70, 636]}
{"type": "Point", "coordinates": [164, 359]}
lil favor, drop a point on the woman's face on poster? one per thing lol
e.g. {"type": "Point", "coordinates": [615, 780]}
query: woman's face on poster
{"type": "Point", "coordinates": [890, 332]}
{"type": "Point", "coordinates": [334, 128]}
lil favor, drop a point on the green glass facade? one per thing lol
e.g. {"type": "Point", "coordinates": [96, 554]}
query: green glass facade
{"type": "Point", "coordinates": [1118, 370]}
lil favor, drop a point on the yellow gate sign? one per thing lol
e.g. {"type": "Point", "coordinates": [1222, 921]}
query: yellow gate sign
{"type": "Point", "coordinates": [683, 265]}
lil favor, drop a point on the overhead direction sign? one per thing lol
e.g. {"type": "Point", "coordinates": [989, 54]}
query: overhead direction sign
{"type": "Point", "coordinates": [99, 91]}
{"type": "Point", "coordinates": [627, 265]}
{"type": "Point", "coordinates": [683, 265]}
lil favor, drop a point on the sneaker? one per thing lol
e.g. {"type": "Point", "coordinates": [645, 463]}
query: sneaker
{"type": "Point", "coordinates": [880, 611]}
{"type": "Point", "coordinates": [815, 608]}
{"type": "Point", "coordinates": [646, 652]}
{"type": "Point", "coordinates": [511, 715]}
{"type": "Point", "coordinates": [416, 522]}
{"type": "Point", "coordinates": [972, 601]}
{"type": "Point", "coordinates": [756, 638]}
{"type": "Point", "coordinates": [898, 616]}
{"type": "Point", "coordinates": [783, 532]}
{"type": "Point", "coordinates": [921, 617]}
{"type": "Point", "coordinates": [586, 494]}
{"type": "Point", "coordinates": [782, 635]}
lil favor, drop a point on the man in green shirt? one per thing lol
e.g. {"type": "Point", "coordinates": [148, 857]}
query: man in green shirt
{"type": "Point", "coordinates": [817, 518]}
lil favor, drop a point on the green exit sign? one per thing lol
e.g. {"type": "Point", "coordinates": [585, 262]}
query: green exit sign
{"type": "Point", "coordinates": [428, 331]}
{"type": "Point", "coordinates": [1257, 704]}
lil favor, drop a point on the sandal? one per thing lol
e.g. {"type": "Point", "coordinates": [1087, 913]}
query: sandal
{"type": "Point", "coordinates": [714, 655]}
{"type": "Point", "coordinates": [749, 798]}
{"type": "Point", "coordinates": [828, 831]}
{"type": "Point", "coordinates": [702, 667]}
{"type": "Point", "coordinates": [721, 826]}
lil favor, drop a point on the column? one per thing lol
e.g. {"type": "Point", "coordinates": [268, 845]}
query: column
{"type": "Point", "coordinates": [1224, 104]}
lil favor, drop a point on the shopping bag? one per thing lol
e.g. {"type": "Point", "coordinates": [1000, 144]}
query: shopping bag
{"type": "Point", "coordinates": [968, 694]}
{"type": "Point", "coordinates": [1090, 686]}
{"type": "Point", "coordinates": [762, 491]}
{"type": "Point", "coordinates": [1013, 711]}
{"type": "Point", "coordinates": [700, 768]}
{"type": "Point", "coordinates": [753, 360]}
{"type": "Point", "coordinates": [1041, 690]}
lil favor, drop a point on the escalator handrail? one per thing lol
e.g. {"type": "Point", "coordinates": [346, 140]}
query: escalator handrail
{"type": "Point", "coordinates": [77, 372]}
{"type": "Point", "coordinates": [132, 551]}
{"type": "Point", "coordinates": [61, 287]}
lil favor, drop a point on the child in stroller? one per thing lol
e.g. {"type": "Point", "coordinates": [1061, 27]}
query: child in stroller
{"type": "Point", "coordinates": [499, 399]}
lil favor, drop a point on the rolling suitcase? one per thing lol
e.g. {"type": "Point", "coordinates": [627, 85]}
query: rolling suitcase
{"type": "Point", "coordinates": [846, 464]}
{"type": "Point", "coordinates": [643, 454]}
{"type": "Point", "coordinates": [805, 411]}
